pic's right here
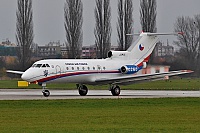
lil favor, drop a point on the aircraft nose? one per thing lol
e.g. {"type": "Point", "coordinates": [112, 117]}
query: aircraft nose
{"type": "Point", "coordinates": [25, 76]}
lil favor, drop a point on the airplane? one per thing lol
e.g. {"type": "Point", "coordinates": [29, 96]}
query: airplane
{"type": "Point", "coordinates": [119, 68]}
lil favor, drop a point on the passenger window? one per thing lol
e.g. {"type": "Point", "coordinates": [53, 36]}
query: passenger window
{"type": "Point", "coordinates": [77, 68]}
{"type": "Point", "coordinates": [104, 68]}
{"type": "Point", "coordinates": [72, 68]}
{"type": "Point", "coordinates": [83, 68]}
{"type": "Point", "coordinates": [67, 68]}
{"type": "Point", "coordinates": [93, 68]}
{"type": "Point", "coordinates": [88, 68]}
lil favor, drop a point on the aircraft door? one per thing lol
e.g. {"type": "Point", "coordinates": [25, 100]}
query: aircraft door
{"type": "Point", "coordinates": [58, 69]}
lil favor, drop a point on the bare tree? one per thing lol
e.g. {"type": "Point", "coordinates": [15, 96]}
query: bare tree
{"type": "Point", "coordinates": [73, 11]}
{"type": "Point", "coordinates": [189, 42]}
{"type": "Point", "coordinates": [148, 15]}
{"type": "Point", "coordinates": [102, 29]}
{"type": "Point", "coordinates": [197, 25]}
{"type": "Point", "coordinates": [125, 23]}
{"type": "Point", "coordinates": [2, 62]}
{"type": "Point", "coordinates": [24, 32]}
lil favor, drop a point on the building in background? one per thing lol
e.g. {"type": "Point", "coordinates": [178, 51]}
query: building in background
{"type": "Point", "coordinates": [89, 52]}
{"type": "Point", "coordinates": [161, 50]}
{"type": "Point", "coordinates": [51, 50]}
{"type": "Point", "coordinates": [64, 51]}
{"type": "Point", "coordinates": [163, 53]}
{"type": "Point", "coordinates": [8, 49]}
{"type": "Point", "coordinates": [150, 69]}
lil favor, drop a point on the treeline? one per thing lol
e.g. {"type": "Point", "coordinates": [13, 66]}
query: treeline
{"type": "Point", "coordinates": [189, 43]}
{"type": "Point", "coordinates": [188, 56]}
{"type": "Point", "coordinates": [73, 20]}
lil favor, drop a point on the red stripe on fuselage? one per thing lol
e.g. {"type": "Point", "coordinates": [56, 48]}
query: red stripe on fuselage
{"type": "Point", "coordinates": [71, 74]}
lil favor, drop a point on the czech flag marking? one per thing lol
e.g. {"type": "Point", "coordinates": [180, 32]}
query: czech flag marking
{"type": "Point", "coordinates": [141, 47]}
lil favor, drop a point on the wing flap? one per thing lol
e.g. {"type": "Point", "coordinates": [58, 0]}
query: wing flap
{"type": "Point", "coordinates": [140, 78]}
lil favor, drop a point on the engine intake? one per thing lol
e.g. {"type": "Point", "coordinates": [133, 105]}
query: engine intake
{"type": "Point", "coordinates": [118, 54]}
{"type": "Point", "coordinates": [129, 69]}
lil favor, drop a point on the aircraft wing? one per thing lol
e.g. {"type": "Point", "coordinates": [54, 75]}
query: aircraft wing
{"type": "Point", "coordinates": [15, 72]}
{"type": "Point", "coordinates": [125, 80]}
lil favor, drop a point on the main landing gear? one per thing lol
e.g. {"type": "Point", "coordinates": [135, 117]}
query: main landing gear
{"type": "Point", "coordinates": [82, 89]}
{"type": "Point", "coordinates": [115, 90]}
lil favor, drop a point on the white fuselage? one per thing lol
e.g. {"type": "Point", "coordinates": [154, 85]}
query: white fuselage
{"type": "Point", "coordinates": [74, 70]}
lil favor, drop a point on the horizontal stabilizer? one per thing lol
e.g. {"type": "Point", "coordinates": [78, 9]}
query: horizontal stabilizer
{"type": "Point", "coordinates": [160, 34]}
{"type": "Point", "coordinates": [156, 34]}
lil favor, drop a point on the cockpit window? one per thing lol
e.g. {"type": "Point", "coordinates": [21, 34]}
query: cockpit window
{"type": "Point", "coordinates": [44, 65]}
{"type": "Point", "coordinates": [38, 65]}
{"type": "Point", "coordinates": [47, 65]}
{"type": "Point", "coordinates": [33, 65]}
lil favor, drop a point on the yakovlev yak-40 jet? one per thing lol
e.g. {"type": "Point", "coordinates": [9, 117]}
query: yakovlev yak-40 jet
{"type": "Point", "coordinates": [119, 68]}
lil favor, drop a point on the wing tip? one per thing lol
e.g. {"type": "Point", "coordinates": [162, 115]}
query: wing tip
{"type": "Point", "coordinates": [181, 33]}
{"type": "Point", "coordinates": [187, 71]}
{"type": "Point", "coordinates": [15, 72]}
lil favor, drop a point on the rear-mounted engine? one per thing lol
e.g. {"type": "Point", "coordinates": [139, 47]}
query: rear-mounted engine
{"type": "Point", "coordinates": [118, 54]}
{"type": "Point", "coordinates": [129, 69]}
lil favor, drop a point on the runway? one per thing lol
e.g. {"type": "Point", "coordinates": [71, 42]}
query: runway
{"type": "Point", "coordinates": [35, 94]}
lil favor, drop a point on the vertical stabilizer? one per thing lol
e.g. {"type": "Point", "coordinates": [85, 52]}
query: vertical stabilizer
{"type": "Point", "coordinates": [142, 48]}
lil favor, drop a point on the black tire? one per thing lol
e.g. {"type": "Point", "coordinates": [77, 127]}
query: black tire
{"type": "Point", "coordinates": [46, 93]}
{"type": "Point", "coordinates": [83, 90]}
{"type": "Point", "coordinates": [115, 91]}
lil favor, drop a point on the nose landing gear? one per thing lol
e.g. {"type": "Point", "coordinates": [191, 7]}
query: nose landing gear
{"type": "Point", "coordinates": [45, 92]}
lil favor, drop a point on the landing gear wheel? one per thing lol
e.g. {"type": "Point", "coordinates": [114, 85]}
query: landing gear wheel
{"type": "Point", "coordinates": [115, 91]}
{"type": "Point", "coordinates": [83, 90]}
{"type": "Point", "coordinates": [46, 93]}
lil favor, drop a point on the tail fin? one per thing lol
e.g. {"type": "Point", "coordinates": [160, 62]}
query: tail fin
{"type": "Point", "coordinates": [142, 48]}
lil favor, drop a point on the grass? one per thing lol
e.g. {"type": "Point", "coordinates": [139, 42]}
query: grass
{"type": "Point", "coordinates": [101, 115]}
{"type": "Point", "coordinates": [172, 84]}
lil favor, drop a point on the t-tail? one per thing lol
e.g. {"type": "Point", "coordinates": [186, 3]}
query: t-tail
{"type": "Point", "coordinates": [140, 51]}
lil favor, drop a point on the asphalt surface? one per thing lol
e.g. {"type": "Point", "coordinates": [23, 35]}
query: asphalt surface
{"type": "Point", "coordinates": [35, 94]}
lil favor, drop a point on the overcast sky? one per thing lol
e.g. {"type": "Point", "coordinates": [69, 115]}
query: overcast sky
{"type": "Point", "coordinates": [49, 18]}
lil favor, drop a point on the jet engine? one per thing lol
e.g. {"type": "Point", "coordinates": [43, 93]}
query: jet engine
{"type": "Point", "coordinates": [129, 69]}
{"type": "Point", "coordinates": [117, 54]}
